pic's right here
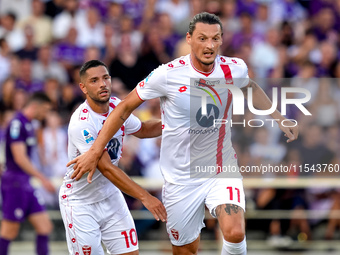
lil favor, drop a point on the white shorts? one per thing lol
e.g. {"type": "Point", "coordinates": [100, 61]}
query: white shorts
{"type": "Point", "coordinates": [87, 225]}
{"type": "Point", "coordinates": [185, 205]}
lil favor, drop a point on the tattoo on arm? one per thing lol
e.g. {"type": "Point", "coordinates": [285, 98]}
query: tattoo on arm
{"type": "Point", "coordinates": [228, 208]}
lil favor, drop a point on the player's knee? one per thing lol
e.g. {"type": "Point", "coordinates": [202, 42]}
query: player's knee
{"type": "Point", "coordinates": [9, 230]}
{"type": "Point", "coordinates": [49, 228]}
{"type": "Point", "coordinates": [9, 235]}
{"type": "Point", "coordinates": [45, 229]}
{"type": "Point", "coordinates": [185, 251]}
{"type": "Point", "coordinates": [235, 235]}
{"type": "Point", "coordinates": [188, 249]}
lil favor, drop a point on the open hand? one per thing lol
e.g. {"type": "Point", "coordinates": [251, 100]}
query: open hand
{"type": "Point", "coordinates": [83, 164]}
{"type": "Point", "coordinates": [155, 207]}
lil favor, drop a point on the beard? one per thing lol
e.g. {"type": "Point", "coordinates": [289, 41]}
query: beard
{"type": "Point", "coordinates": [206, 63]}
{"type": "Point", "coordinates": [100, 100]}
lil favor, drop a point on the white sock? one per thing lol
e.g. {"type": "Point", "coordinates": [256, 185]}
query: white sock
{"type": "Point", "coordinates": [234, 248]}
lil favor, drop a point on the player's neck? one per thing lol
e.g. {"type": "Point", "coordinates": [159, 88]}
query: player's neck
{"type": "Point", "coordinates": [28, 112]}
{"type": "Point", "coordinates": [200, 66]}
{"type": "Point", "coordinates": [97, 107]}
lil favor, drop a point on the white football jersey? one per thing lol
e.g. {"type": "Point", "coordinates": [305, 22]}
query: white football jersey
{"type": "Point", "coordinates": [84, 127]}
{"type": "Point", "coordinates": [193, 147]}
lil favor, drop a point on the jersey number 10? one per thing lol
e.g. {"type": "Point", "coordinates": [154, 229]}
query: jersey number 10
{"type": "Point", "coordinates": [133, 237]}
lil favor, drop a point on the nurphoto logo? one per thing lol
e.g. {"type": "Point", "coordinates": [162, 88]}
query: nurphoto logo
{"type": "Point", "coordinates": [207, 115]}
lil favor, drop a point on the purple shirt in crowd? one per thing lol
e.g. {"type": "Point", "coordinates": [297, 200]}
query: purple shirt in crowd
{"type": "Point", "coordinates": [30, 87]}
{"type": "Point", "coordinates": [134, 9]}
{"type": "Point", "coordinates": [248, 7]}
{"type": "Point", "coordinates": [20, 129]}
{"type": "Point", "coordinates": [69, 53]}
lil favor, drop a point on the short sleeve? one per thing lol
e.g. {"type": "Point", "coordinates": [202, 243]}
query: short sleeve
{"type": "Point", "coordinates": [154, 85]}
{"type": "Point", "coordinates": [132, 125]}
{"type": "Point", "coordinates": [242, 79]}
{"type": "Point", "coordinates": [17, 132]}
{"type": "Point", "coordinates": [82, 136]}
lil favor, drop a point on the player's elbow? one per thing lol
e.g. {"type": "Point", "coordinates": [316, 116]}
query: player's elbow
{"type": "Point", "coordinates": [105, 171]}
{"type": "Point", "coordinates": [149, 130]}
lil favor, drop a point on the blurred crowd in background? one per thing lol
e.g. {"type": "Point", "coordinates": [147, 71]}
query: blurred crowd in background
{"type": "Point", "coordinates": [291, 43]}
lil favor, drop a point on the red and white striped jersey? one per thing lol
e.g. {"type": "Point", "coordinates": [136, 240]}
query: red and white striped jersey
{"type": "Point", "coordinates": [84, 127]}
{"type": "Point", "coordinates": [190, 141]}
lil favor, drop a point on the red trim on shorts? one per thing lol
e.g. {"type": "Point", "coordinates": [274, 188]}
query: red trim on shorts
{"type": "Point", "coordinates": [139, 96]}
{"type": "Point", "coordinates": [222, 132]}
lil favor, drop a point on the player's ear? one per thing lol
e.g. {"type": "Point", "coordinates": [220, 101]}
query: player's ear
{"type": "Point", "coordinates": [188, 38]}
{"type": "Point", "coordinates": [83, 88]}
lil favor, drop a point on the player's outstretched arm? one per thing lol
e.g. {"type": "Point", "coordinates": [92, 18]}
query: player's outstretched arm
{"type": "Point", "coordinates": [149, 129]}
{"type": "Point", "coordinates": [128, 186]}
{"type": "Point", "coordinates": [88, 161]}
{"type": "Point", "coordinates": [261, 101]}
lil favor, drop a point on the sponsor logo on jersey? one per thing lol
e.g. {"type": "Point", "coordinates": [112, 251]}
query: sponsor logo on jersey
{"type": "Point", "coordinates": [148, 77]}
{"type": "Point", "coordinates": [88, 137]}
{"type": "Point", "coordinates": [19, 213]}
{"type": "Point", "coordinates": [207, 120]}
{"type": "Point", "coordinates": [113, 148]}
{"type": "Point", "coordinates": [182, 89]}
{"type": "Point", "coordinates": [141, 84]}
{"type": "Point", "coordinates": [86, 249]}
{"type": "Point", "coordinates": [207, 86]}
{"type": "Point", "coordinates": [175, 233]}
{"type": "Point", "coordinates": [15, 129]}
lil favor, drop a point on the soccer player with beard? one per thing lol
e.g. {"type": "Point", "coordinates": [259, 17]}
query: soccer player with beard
{"type": "Point", "coordinates": [97, 212]}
